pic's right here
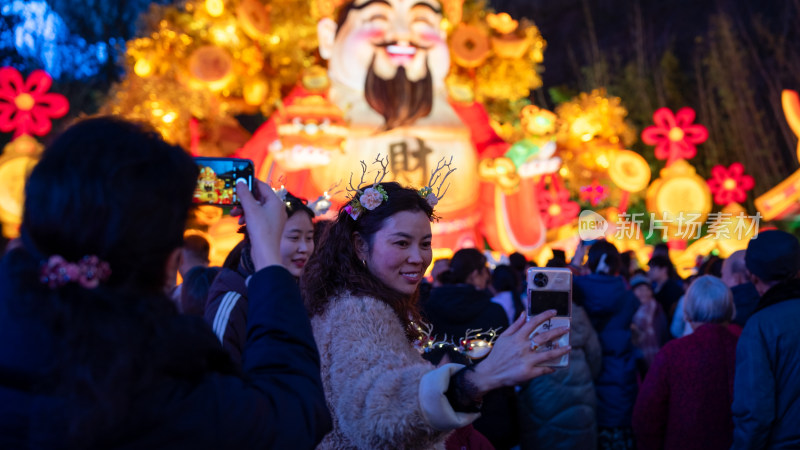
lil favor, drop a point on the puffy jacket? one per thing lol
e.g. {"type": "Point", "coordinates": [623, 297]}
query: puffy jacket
{"type": "Point", "coordinates": [226, 311]}
{"type": "Point", "coordinates": [558, 410]}
{"type": "Point", "coordinates": [611, 308]}
{"type": "Point", "coordinates": [766, 394]}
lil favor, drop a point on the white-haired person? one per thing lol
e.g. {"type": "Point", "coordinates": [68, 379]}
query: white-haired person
{"type": "Point", "coordinates": [685, 400]}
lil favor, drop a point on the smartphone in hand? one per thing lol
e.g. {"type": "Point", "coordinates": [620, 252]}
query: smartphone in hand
{"type": "Point", "coordinates": [216, 182]}
{"type": "Point", "coordinates": [551, 288]}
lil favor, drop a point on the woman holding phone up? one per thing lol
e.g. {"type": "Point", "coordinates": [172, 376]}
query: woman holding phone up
{"type": "Point", "coordinates": [361, 290]}
{"type": "Point", "coordinates": [93, 354]}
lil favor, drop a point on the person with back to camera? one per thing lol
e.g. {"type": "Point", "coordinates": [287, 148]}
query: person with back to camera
{"type": "Point", "coordinates": [360, 287]}
{"type": "Point", "coordinates": [93, 354]}
{"type": "Point", "coordinates": [611, 307]}
{"type": "Point", "coordinates": [227, 307]}
{"type": "Point", "coordinates": [684, 402]}
{"type": "Point", "coordinates": [558, 411]}
{"type": "Point", "coordinates": [745, 295]}
{"type": "Point", "coordinates": [766, 395]}
{"type": "Point", "coordinates": [505, 284]}
{"type": "Point", "coordinates": [462, 304]}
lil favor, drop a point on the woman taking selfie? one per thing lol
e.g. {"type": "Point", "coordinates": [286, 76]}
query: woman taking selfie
{"type": "Point", "coordinates": [93, 354]}
{"type": "Point", "coordinates": [361, 290]}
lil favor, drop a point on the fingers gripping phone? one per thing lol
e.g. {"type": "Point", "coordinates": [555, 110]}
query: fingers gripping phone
{"type": "Point", "coordinates": [216, 182]}
{"type": "Point", "coordinates": [551, 288]}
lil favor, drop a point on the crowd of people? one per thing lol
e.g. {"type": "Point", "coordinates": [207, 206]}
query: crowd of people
{"type": "Point", "coordinates": [318, 334]}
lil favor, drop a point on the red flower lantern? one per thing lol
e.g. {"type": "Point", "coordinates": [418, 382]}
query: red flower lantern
{"type": "Point", "coordinates": [674, 135]}
{"type": "Point", "coordinates": [594, 193]}
{"type": "Point", "coordinates": [730, 184]}
{"type": "Point", "coordinates": [26, 106]}
{"type": "Point", "coordinates": [554, 203]}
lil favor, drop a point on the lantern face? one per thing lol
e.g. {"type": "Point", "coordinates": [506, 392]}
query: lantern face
{"type": "Point", "coordinates": [682, 195]}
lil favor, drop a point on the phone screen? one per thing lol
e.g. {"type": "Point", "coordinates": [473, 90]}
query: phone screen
{"type": "Point", "coordinates": [217, 180]}
{"type": "Point", "coordinates": [541, 301]}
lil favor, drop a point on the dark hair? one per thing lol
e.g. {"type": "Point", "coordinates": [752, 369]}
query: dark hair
{"type": "Point", "coordinates": [194, 292]}
{"type": "Point", "coordinates": [113, 189]}
{"type": "Point", "coordinates": [625, 259]}
{"type": "Point", "coordinates": [462, 264]}
{"type": "Point", "coordinates": [505, 279]}
{"type": "Point", "coordinates": [335, 268]}
{"type": "Point", "coordinates": [517, 261]}
{"type": "Point", "coordinates": [197, 246]}
{"type": "Point", "coordinates": [596, 252]}
{"type": "Point", "coordinates": [663, 261]}
{"type": "Point", "coordinates": [297, 204]}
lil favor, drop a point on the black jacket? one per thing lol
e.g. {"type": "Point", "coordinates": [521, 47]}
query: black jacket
{"type": "Point", "coordinates": [226, 312]}
{"type": "Point", "coordinates": [454, 308]}
{"type": "Point", "coordinates": [278, 402]}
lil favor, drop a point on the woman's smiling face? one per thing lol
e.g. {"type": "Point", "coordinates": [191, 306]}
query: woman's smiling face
{"type": "Point", "coordinates": [297, 243]}
{"type": "Point", "coordinates": [401, 251]}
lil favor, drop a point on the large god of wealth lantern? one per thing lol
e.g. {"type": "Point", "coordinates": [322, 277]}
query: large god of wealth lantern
{"type": "Point", "coordinates": [386, 87]}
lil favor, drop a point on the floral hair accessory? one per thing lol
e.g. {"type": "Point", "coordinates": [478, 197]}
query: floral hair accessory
{"type": "Point", "coordinates": [371, 197]}
{"type": "Point", "coordinates": [88, 272]}
{"type": "Point", "coordinates": [438, 176]}
{"type": "Point", "coordinates": [322, 204]}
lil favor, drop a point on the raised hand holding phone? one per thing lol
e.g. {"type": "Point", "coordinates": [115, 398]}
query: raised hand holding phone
{"type": "Point", "coordinates": [265, 218]}
{"type": "Point", "coordinates": [550, 289]}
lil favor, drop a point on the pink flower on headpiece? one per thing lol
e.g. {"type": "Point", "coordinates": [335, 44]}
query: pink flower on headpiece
{"type": "Point", "coordinates": [354, 214]}
{"type": "Point", "coordinates": [371, 198]}
{"type": "Point", "coordinates": [432, 199]}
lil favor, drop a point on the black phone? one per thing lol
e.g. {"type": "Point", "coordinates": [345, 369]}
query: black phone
{"type": "Point", "coordinates": [216, 182]}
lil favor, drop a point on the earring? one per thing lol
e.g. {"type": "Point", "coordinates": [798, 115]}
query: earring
{"type": "Point", "coordinates": [364, 262]}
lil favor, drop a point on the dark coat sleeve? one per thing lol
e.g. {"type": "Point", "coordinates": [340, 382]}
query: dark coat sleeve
{"type": "Point", "coordinates": [281, 403]}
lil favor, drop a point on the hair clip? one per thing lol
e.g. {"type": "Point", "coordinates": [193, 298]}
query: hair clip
{"type": "Point", "coordinates": [322, 204]}
{"type": "Point", "coordinates": [89, 271]}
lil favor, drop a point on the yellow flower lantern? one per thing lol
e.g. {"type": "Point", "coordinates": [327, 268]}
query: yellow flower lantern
{"type": "Point", "coordinates": [679, 193]}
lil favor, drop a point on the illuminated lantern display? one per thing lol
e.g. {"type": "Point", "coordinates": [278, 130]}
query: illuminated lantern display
{"type": "Point", "coordinates": [730, 184]}
{"type": "Point", "coordinates": [784, 199]}
{"type": "Point", "coordinates": [594, 193]}
{"type": "Point", "coordinates": [678, 194]}
{"type": "Point", "coordinates": [25, 106]}
{"type": "Point", "coordinates": [555, 205]}
{"type": "Point", "coordinates": [18, 158]}
{"type": "Point", "coordinates": [629, 171]}
{"type": "Point", "coordinates": [675, 135]}
{"type": "Point", "coordinates": [372, 108]}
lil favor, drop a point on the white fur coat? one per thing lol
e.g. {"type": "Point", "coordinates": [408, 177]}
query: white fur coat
{"type": "Point", "coordinates": [381, 393]}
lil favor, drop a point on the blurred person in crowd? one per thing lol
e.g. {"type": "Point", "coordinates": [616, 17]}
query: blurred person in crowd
{"type": "Point", "coordinates": [505, 284]}
{"type": "Point", "coordinates": [95, 355]}
{"type": "Point", "coordinates": [439, 266]}
{"type": "Point", "coordinates": [649, 323]}
{"type": "Point", "coordinates": [666, 284]}
{"type": "Point", "coordinates": [684, 402]}
{"type": "Point", "coordinates": [467, 437]}
{"type": "Point", "coordinates": [194, 253]}
{"type": "Point", "coordinates": [560, 410]}
{"type": "Point", "coordinates": [745, 295]}
{"type": "Point", "coordinates": [227, 305]}
{"type": "Point", "coordinates": [361, 290]}
{"type": "Point", "coordinates": [611, 307]}
{"type": "Point", "coordinates": [559, 259]}
{"type": "Point", "coordinates": [766, 398]}
{"type": "Point", "coordinates": [461, 304]}
{"type": "Point", "coordinates": [520, 264]}
{"type": "Point", "coordinates": [194, 292]}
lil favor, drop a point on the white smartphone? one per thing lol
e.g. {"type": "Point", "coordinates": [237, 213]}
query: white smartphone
{"type": "Point", "coordinates": [551, 288]}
